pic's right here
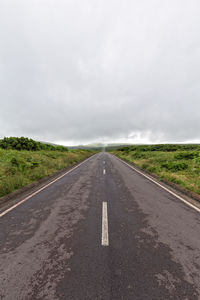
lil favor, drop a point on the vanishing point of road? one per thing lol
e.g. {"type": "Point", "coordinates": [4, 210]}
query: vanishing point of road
{"type": "Point", "coordinates": [101, 231]}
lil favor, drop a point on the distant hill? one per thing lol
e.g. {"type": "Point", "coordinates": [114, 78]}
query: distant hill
{"type": "Point", "coordinates": [97, 146]}
{"type": "Point", "coordinates": [100, 146]}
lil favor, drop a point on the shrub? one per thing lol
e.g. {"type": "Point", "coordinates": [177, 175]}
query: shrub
{"type": "Point", "coordinates": [161, 147]}
{"type": "Point", "coordinates": [22, 143]}
{"type": "Point", "coordinates": [186, 155]}
{"type": "Point", "coordinates": [124, 149]}
{"type": "Point", "coordinates": [145, 166]}
{"type": "Point", "coordinates": [14, 162]}
{"type": "Point", "coordinates": [174, 167]}
{"type": "Point", "coordinates": [138, 154]}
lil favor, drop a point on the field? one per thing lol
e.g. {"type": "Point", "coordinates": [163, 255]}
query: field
{"type": "Point", "coordinates": [20, 168]}
{"type": "Point", "coordinates": [179, 164]}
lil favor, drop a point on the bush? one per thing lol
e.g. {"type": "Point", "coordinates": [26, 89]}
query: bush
{"type": "Point", "coordinates": [22, 143]}
{"type": "Point", "coordinates": [174, 167]}
{"type": "Point", "coordinates": [186, 155]}
{"type": "Point", "coordinates": [145, 166]}
{"type": "Point", "coordinates": [161, 147]}
{"type": "Point", "coordinates": [124, 149]}
{"type": "Point", "coordinates": [14, 162]}
{"type": "Point", "coordinates": [138, 154]}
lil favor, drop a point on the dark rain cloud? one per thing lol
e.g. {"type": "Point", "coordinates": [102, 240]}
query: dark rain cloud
{"type": "Point", "coordinates": [82, 71]}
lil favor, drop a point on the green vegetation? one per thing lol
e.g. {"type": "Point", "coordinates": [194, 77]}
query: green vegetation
{"type": "Point", "coordinates": [19, 168]}
{"type": "Point", "coordinates": [22, 143]}
{"type": "Point", "coordinates": [176, 163]}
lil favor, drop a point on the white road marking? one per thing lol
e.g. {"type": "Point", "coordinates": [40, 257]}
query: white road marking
{"type": "Point", "coordinates": [104, 171]}
{"type": "Point", "coordinates": [104, 238]}
{"type": "Point", "coordinates": [160, 185]}
{"type": "Point", "coordinates": [41, 189]}
{"type": "Point", "coordinates": [104, 162]}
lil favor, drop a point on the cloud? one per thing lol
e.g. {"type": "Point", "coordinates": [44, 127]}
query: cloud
{"type": "Point", "coordinates": [81, 71]}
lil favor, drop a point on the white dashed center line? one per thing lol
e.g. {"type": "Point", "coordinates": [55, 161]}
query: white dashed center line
{"type": "Point", "coordinates": [104, 238]}
{"type": "Point", "coordinates": [104, 171]}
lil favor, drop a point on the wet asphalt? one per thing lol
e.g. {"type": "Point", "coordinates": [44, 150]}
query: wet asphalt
{"type": "Point", "coordinates": [50, 246]}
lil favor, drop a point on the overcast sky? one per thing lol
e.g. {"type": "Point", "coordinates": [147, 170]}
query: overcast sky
{"type": "Point", "coordinates": [80, 71]}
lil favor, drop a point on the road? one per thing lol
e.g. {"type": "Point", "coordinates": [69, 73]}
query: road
{"type": "Point", "coordinates": [102, 231]}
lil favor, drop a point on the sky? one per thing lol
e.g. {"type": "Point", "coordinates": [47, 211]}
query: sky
{"type": "Point", "coordinates": [77, 72]}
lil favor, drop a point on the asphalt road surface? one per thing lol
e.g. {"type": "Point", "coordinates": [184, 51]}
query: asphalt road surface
{"type": "Point", "coordinates": [102, 231]}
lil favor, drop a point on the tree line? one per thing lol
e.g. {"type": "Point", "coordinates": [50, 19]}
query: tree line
{"type": "Point", "coordinates": [161, 147]}
{"type": "Point", "coordinates": [23, 143]}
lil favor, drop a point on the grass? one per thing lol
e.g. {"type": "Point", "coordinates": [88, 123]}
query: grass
{"type": "Point", "coordinates": [20, 168]}
{"type": "Point", "coordinates": [181, 166]}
